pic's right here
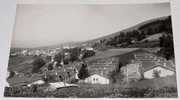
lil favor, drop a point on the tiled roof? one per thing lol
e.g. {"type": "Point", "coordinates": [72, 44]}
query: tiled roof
{"type": "Point", "coordinates": [147, 65]}
{"type": "Point", "coordinates": [152, 61]}
{"type": "Point", "coordinates": [111, 53]}
{"type": "Point", "coordinates": [151, 66]}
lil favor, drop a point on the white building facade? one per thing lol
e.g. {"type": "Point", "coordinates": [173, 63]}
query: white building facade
{"type": "Point", "coordinates": [96, 79]}
{"type": "Point", "coordinates": [163, 72]}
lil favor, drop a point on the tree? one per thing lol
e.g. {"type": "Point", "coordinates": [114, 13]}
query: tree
{"type": "Point", "coordinates": [118, 68]}
{"type": "Point", "coordinates": [58, 57]}
{"type": "Point", "coordinates": [162, 40]}
{"type": "Point", "coordinates": [37, 64]}
{"type": "Point", "coordinates": [88, 53]}
{"type": "Point", "coordinates": [48, 58]}
{"type": "Point", "coordinates": [167, 46]}
{"type": "Point", "coordinates": [74, 54]}
{"type": "Point", "coordinates": [83, 72]}
{"type": "Point", "coordinates": [11, 74]}
{"type": "Point", "coordinates": [156, 73]}
{"type": "Point", "coordinates": [117, 75]}
{"type": "Point", "coordinates": [50, 66]}
{"type": "Point", "coordinates": [141, 36]}
{"type": "Point", "coordinates": [69, 75]}
{"type": "Point", "coordinates": [150, 31]}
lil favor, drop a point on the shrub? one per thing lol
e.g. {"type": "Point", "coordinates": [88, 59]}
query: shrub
{"type": "Point", "coordinates": [91, 91]}
{"type": "Point", "coordinates": [37, 64]}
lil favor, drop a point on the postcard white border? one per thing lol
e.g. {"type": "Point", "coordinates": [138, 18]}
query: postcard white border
{"type": "Point", "coordinates": [7, 17]}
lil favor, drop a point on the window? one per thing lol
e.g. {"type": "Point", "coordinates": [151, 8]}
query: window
{"type": "Point", "coordinates": [96, 79]}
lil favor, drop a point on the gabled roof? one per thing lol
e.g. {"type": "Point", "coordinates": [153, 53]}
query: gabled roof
{"type": "Point", "coordinates": [111, 53]}
{"type": "Point", "coordinates": [147, 65]}
{"type": "Point", "coordinates": [98, 75]}
{"type": "Point", "coordinates": [158, 65]}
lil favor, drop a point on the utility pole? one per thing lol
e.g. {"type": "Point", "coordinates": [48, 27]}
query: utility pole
{"type": "Point", "coordinates": [62, 63]}
{"type": "Point", "coordinates": [127, 73]}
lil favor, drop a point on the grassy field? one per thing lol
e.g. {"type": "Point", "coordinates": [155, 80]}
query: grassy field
{"type": "Point", "coordinates": [141, 89]}
{"type": "Point", "coordinates": [20, 63]}
{"type": "Point", "coordinates": [169, 81]}
{"type": "Point", "coordinates": [93, 91]}
{"type": "Point", "coordinates": [160, 87]}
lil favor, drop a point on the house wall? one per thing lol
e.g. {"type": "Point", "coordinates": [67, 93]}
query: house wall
{"type": "Point", "coordinates": [131, 71]}
{"type": "Point", "coordinates": [96, 79]}
{"type": "Point", "coordinates": [163, 72]}
{"type": "Point", "coordinates": [102, 66]}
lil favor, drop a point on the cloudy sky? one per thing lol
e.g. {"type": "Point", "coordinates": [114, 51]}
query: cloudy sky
{"type": "Point", "coordinates": [42, 25]}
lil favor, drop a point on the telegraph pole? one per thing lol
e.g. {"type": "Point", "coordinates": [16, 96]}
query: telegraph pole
{"type": "Point", "coordinates": [62, 63]}
{"type": "Point", "coordinates": [127, 73]}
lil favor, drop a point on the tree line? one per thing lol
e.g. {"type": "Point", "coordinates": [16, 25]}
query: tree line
{"type": "Point", "coordinates": [123, 39]}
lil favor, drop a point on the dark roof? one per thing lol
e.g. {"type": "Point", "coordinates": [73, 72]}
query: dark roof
{"type": "Point", "coordinates": [151, 61]}
{"type": "Point", "coordinates": [111, 53]}
{"type": "Point", "coordinates": [147, 65]}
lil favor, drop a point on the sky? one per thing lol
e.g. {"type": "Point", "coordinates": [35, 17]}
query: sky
{"type": "Point", "coordinates": [40, 25]}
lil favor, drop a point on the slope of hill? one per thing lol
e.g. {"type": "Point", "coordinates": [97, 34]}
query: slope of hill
{"type": "Point", "coordinates": [20, 63]}
{"type": "Point", "coordinates": [135, 27]}
{"type": "Point", "coordinates": [154, 37]}
{"type": "Point", "coordinates": [152, 23]}
{"type": "Point", "coordinates": [60, 45]}
{"type": "Point", "coordinates": [111, 53]}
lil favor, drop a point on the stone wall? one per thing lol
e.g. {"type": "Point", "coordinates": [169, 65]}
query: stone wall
{"type": "Point", "coordinates": [102, 66]}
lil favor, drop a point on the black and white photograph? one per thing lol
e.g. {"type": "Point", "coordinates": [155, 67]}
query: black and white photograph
{"type": "Point", "coordinates": [92, 51]}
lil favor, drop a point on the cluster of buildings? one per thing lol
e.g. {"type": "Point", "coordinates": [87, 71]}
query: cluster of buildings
{"type": "Point", "coordinates": [35, 52]}
{"type": "Point", "coordinates": [136, 63]}
{"type": "Point", "coordinates": [57, 69]}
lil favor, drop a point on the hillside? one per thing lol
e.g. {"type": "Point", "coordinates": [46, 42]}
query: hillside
{"type": "Point", "coordinates": [154, 37]}
{"type": "Point", "coordinates": [143, 35]}
{"type": "Point", "coordinates": [139, 27]}
{"type": "Point", "coordinates": [145, 27]}
{"type": "Point", "coordinates": [21, 63]}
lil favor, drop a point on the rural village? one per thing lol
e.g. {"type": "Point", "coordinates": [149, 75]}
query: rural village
{"type": "Point", "coordinates": [128, 64]}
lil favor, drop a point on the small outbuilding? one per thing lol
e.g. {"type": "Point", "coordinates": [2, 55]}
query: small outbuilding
{"type": "Point", "coordinates": [96, 79]}
{"type": "Point", "coordinates": [158, 71]}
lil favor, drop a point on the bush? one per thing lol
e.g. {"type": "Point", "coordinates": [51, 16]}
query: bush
{"type": "Point", "coordinates": [91, 91]}
{"type": "Point", "coordinates": [83, 72]}
{"type": "Point", "coordinates": [37, 64]}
